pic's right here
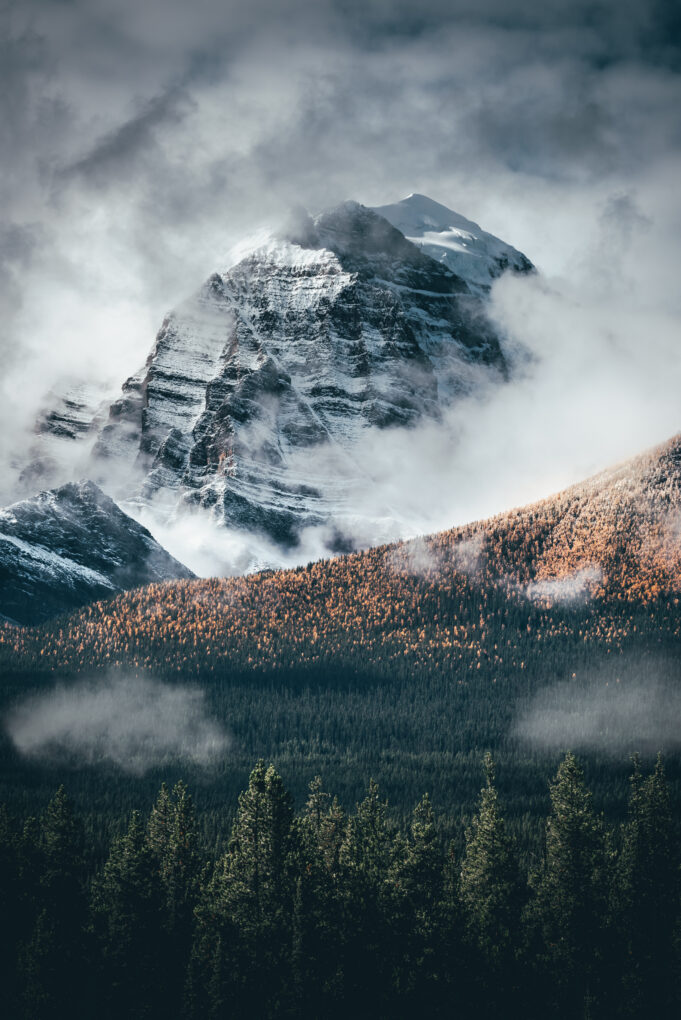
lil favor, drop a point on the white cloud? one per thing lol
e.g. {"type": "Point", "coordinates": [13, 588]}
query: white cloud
{"type": "Point", "coordinates": [133, 723]}
{"type": "Point", "coordinates": [619, 715]}
{"type": "Point", "coordinates": [133, 169]}
{"type": "Point", "coordinates": [575, 587]}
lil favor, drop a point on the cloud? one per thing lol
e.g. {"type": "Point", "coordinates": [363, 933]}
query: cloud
{"type": "Point", "coordinates": [142, 141]}
{"type": "Point", "coordinates": [574, 587]}
{"type": "Point", "coordinates": [133, 723]}
{"type": "Point", "coordinates": [124, 144]}
{"type": "Point", "coordinates": [417, 558]}
{"type": "Point", "coordinates": [423, 558]}
{"type": "Point", "coordinates": [615, 716]}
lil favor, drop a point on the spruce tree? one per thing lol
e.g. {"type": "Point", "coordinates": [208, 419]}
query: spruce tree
{"type": "Point", "coordinates": [491, 899]}
{"type": "Point", "coordinates": [128, 918]}
{"type": "Point", "coordinates": [566, 915]}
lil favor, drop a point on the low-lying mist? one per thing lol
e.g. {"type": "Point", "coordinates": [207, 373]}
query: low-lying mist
{"type": "Point", "coordinates": [613, 716]}
{"type": "Point", "coordinates": [132, 723]}
{"type": "Point", "coordinates": [568, 590]}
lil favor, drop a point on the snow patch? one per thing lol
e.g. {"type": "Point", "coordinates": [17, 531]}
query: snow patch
{"type": "Point", "coordinates": [55, 564]}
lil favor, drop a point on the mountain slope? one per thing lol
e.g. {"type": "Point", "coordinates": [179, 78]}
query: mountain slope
{"type": "Point", "coordinates": [594, 568]}
{"type": "Point", "coordinates": [460, 244]}
{"type": "Point", "coordinates": [260, 386]}
{"type": "Point", "coordinates": [70, 546]}
{"type": "Point", "coordinates": [550, 627]}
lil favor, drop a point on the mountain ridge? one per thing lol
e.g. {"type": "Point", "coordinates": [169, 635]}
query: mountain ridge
{"type": "Point", "coordinates": [615, 527]}
{"type": "Point", "coordinates": [69, 546]}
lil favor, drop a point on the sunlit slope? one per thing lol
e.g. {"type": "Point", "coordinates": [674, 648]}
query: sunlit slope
{"type": "Point", "coordinates": [595, 567]}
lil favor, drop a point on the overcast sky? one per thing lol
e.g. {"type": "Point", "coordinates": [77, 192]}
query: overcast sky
{"type": "Point", "coordinates": [141, 140]}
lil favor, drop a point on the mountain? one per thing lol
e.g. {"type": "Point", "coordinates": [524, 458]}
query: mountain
{"type": "Point", "coordinates": [405, 662]}
{"type": "Point", "coordinates": [70, 546]}
{"type": "Point", "coordinates": [460, 244]}
{"type": "Point", "coordinates": [258, 389]}
{"type": "Point", "coordinates": [584, 565]}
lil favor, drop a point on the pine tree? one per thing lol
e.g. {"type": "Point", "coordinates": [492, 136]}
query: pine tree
{"type": "Point", "coordinates": [318, 908]}
{"type": "Point", "coordinates": [30, 867]}
{"type": "Point", "coordinates": [160, 824]}
{"type": "Point", "coordinates": [365, 858]}
{"type": "Point", "coordinates": [647, 898]}
{"type": "Point", "coordinates": [172, 838]}
{"type": "Point", "coordinates": [491, 898]}
{"type": "Point", "coordinates": [416, 914]}
{"type": "Point", "coordinates": [258, 854]}
{"type": "Point", "coordinates": [128, 916]}
{"type": "Point", "coordinates": [10, 909]}
{"type": "Point", "coordinates": [330, 838]}
{"type": "Point", "coordinates": [53, 955]}
{"type": "Point", "coordinates": [455, 980]}
{"type": "Point", "coordinates": [211, 975]}
{"type": "Point", "coordinates": [37, 964]}
{"type": "Point", "coordinates": [566, 916]}
{"type": "Point", "coordinates": [249, 905]}
{"type": "Point", "coordinates": [490, 881]}
{"type": "Point", "coordinates": [366, 849]}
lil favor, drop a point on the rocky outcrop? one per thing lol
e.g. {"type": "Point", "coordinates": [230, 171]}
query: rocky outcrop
{"type": "Point", "coordinates": [69, 546]}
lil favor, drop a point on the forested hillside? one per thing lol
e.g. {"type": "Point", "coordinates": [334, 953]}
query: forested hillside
{"type": "Point", "coordinates": [614, 542]}
{"type": "Point", "coordinates": [404, 662]}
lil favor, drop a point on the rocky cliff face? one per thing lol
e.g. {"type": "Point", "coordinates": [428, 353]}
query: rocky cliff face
{"type": "Point", "coordinates": [73, 545]}
{"type": "Point", "coordinates": [273, 372]}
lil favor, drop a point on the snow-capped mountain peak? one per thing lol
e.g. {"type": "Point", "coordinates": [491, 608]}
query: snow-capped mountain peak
{"type": "Point", "coordinates": [262, 382]}
{"type": "Point", "coordinates": [462, 245]}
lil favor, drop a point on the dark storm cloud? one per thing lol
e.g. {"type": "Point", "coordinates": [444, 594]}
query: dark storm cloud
{"type": "Point", "coordinates": [476, 84]}
{"type": "Point", "coordinates": [126, 142]}
{"type": "Point", "coordinates": [517, 83]}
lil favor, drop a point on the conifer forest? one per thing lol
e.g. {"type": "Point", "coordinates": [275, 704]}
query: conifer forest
{"type": "Point", "coordinates": [325, 913]}
{"type": "Point", "coordinates": [340, 510]}
{"type": "Point", "coordinates": [407, 677]}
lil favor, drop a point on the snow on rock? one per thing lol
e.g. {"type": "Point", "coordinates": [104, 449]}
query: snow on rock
{"type": "Point", "coordinates": [460, 244]}
{"type": "Point", "coordinates": [260, 385]}
{"type": "Point", "coordinates": [69, 546]}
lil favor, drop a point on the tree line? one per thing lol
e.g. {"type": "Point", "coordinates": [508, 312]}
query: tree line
{"type": "Point", "coordinates": [325, 914]}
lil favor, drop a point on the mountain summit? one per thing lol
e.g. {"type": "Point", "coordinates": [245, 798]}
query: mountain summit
{"type": "Point", "coordinates": [460, 244]}
{"type": "Point", "coordinates": [259, 386]}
